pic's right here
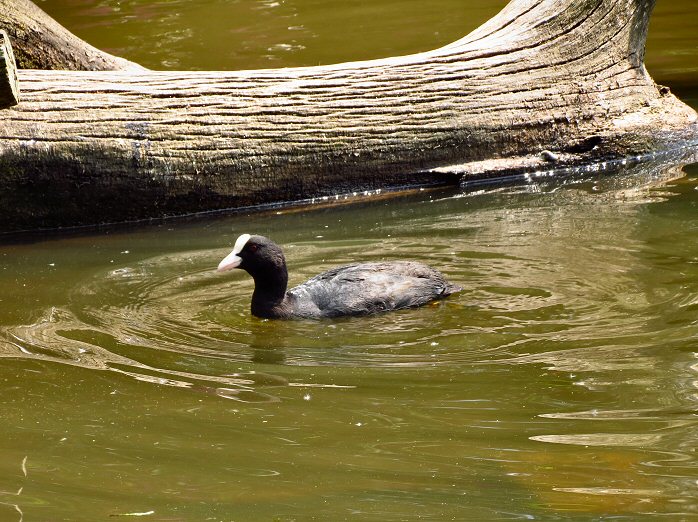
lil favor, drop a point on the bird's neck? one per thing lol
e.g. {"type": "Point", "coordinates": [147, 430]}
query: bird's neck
{"type": "Point", "coordinates": [269, 296]}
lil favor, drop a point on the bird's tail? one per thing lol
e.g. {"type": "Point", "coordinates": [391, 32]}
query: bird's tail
{"type": "Point", "coordinates": [451, 289]}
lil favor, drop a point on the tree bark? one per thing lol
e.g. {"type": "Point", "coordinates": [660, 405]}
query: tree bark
{"type": "Point", "coordinates": [9, 92]}
{"type": "Point", "coordinates": [42, 43]}
{"type": "Point", "coordinates": [544, 84]}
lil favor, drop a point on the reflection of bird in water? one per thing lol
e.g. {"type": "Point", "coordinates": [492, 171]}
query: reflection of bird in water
{"type": "Point", "coordinates": [356, 289]}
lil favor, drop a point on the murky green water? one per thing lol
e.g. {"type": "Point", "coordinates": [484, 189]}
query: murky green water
{"type": "Point", "coordinates": [252, 34]}
{"type": "Point", "coordinates": [562, 384]}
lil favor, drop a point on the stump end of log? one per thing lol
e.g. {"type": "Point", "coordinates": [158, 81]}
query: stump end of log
{"type": "Point", "coordinates": [9, 88]}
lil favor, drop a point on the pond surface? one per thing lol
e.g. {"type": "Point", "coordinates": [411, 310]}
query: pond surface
{"type": "Point", "coordinates": [561, 384]}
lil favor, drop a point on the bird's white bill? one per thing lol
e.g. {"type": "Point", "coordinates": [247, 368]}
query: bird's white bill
{"type": "Point", "coordinates": [233, 260]}
{"type": "Point", "coordinates": [230, 261]}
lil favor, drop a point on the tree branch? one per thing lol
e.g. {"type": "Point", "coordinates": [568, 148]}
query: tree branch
{"type": "Point", "coordinates": [42, 43]}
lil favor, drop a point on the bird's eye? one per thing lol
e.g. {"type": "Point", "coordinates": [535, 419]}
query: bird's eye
{"type": "Point", "coordinates": [253, 248]}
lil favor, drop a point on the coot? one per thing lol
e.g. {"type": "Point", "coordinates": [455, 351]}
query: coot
{"type": "Point", "coordinates": [356, 289]}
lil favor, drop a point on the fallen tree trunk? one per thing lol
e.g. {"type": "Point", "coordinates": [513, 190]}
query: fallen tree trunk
{"type": "Point", "coordinates": [544, 83]}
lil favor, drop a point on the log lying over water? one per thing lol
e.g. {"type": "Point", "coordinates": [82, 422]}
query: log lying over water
{"type": "Point", "coordinates": [544, 83]}
{"type": "Point", "coordinates": [9, 92]}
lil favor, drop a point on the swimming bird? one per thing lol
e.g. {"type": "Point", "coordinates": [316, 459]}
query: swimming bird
{"type": "Point", "coordinates": [355, 289]}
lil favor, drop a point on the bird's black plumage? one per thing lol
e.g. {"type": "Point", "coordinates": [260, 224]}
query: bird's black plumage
{"type": "Point", "coordinates": [355, 289]}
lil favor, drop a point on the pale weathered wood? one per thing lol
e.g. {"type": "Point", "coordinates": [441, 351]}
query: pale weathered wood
{"type": "Point", "coordinates": [543, 84]}
{"type": "Point", "coordinates": [9, 92]}
{"type": "Point", "coordinates": [42, 43]}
